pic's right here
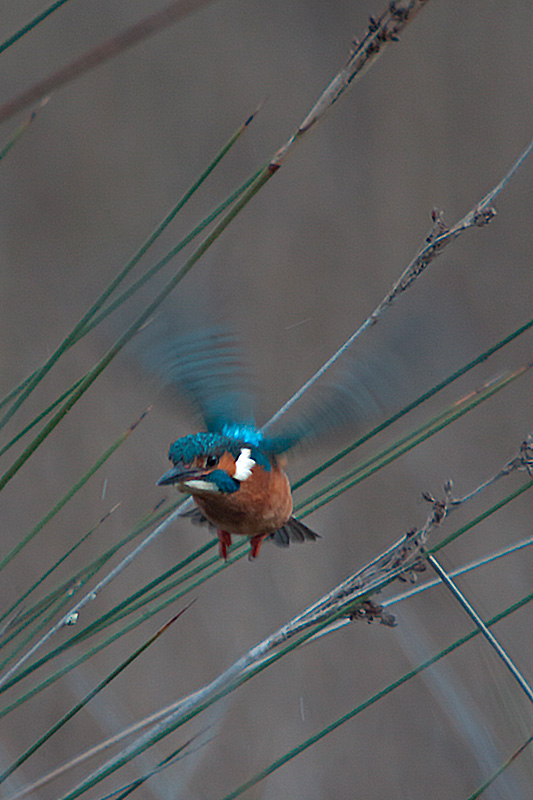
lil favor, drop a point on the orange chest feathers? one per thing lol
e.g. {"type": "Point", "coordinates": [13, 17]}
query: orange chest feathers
{"type": "Point", "coordinates": [261, 504]}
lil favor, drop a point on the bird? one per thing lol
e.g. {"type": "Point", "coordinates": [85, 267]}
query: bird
{"type": "Point", "coordinates": [233, 470]}
{"type": "Point", "coordinates": [238, 485]}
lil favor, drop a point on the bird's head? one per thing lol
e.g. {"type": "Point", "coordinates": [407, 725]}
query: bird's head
{"type": "Point", "coordinates": [207, 463]}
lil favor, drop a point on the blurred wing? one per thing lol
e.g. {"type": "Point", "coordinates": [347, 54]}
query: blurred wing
{"type": "Point", "coordinates": [398, 360]}
{"type": "Point", "coordinates": [354, 400]}
{"type": "Point", "coordinates": [208, 368]}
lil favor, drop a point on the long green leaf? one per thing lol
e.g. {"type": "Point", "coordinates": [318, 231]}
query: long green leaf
{"type": "Point", "coordinates": [27, 386]}
{"type": "Point", "coordinates": [367, 703]}
{"type": "Point", "coordinates": [419, 400]}
{"type": "Point", "coordinates": [69, 495]}
{"type": "Point", "coordinates": [404, 444]}
{"type": "Point", "coordinates": [74, 710]}
{"type": "Point", "coordinates": [30, 25]}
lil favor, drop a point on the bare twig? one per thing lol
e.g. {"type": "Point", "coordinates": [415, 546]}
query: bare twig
{"type": "Point", "coordinates": [480, 214]}
{"type": "Point", "coordinates": [345, 603]}
{"type": "Point", "coordinates": [381, 32]}
{"type": "Point", "coordinates": [522, 461]}
{"type": "Point", "coordinates": [440, 510]}
{"type": "Point", "coordinates": [472, 565]}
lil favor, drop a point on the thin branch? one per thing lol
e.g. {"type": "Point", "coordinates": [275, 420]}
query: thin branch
{"type": "Point", "coordinates": [489, 636]}
{"type": "Point", "coordinates": [382, 31]}
{"type": "Point", "coordinates": [441, 509]}
{"type": "Point", "coordinates": [66, 618]}
{"type": "Point", "coordinates": [346, 602]}
{"type": "Point", "coordinates": [470, 567]}
{"type": "Point", "coordinates": [479, 215]}
{"type": "Point", "coordinates": [523, 461]}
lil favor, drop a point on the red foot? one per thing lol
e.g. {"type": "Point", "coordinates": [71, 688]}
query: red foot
{"type": "Point", "coordinates": [255, 543]}
{"type": "Point", "coordinates": [224, 541]}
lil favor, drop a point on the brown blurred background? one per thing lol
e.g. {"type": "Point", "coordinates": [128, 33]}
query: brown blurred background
{"type": "Point", "coordinates": [436, 122]}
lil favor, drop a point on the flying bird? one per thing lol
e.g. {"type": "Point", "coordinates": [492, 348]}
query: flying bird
{"type": "Point", "coordinates": [233, 470]}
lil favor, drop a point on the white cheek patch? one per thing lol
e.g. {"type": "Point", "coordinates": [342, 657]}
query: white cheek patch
{"type": "Point", "coordinates": [244, 465]}
{"type": "Point", "coordinates": [201, 486]}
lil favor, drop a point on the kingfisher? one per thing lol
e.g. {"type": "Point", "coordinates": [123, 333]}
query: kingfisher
{"type": "Point", "coordinates": [238, 485]}
{"type": "Point", "coordinates": [233, 471]}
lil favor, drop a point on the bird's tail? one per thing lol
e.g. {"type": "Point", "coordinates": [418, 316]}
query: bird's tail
{"type": "Point", "coordinates": [293, 531]}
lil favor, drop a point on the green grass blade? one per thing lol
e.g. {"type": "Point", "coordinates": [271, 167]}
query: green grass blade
{"type": "Point", "coordinates": [80, 578]}
{"type": "Point", "coordinates": [70, 494]}
{"type": "Point", "coordinates": [150, 273]}
{"type": "Point", "coordinates": [501, 768]}
{"type": "Point", "coordinates": [151, 591]}
{"type": "Point", "coordinates": [79, 329]}
{"type": "Point", "coordinates": [20, 130]}
{"type": "Point", "coordinates": [74, 710]}
{"type": "Point", "coordinates": [16, 390]}
{"type": "Point", "coordinates": [404, 444]}
{"type": "Point", "coordinates": [369, 702]}
{"type": "Point", "coordinates": [52, 609]}
{"type": "Point", "coordinates": [151, 739]}
{"type": "Point", "coordinates": [238, 552]}
{"type": "Point", "coordinates": [30, 25]}
{"type": "Point", "coordinates": [111, 307]}
{"type": "Point", "coordinates": [130, 332]}
{"type": "Point", "coordinates": [131, 787]}
{"type": "Point", "coordinates": [77, 580]}
{"type": "Point", "coordinates": [419, 400]}
{"type": "Point", "coordinates": [39, 417]}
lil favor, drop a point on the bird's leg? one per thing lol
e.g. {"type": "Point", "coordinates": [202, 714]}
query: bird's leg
{"type": "Point", "coordinates": [255, 544]}
{"type": "Point", "coordinates": [224, 541]}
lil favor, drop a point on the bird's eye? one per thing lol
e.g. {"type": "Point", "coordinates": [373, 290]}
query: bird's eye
{"type": "Point", "coordinates": [211, 461]}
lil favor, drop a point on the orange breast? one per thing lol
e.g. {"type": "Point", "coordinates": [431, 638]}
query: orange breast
{"type": "Point", "coordinates": [261, 505]}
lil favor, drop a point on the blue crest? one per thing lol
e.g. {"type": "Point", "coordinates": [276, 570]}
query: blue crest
{"type": "Point", "coordinates": [186, 449]}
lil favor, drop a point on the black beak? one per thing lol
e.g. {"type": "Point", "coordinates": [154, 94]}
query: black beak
{"type": "Point", "coordinates": [178, 475]}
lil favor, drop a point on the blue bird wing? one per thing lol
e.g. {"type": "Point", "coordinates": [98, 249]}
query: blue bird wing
{"type": "Point", "coordinates": [390, 366]}
{"type": "Point", "coordinates": [358, 394]}
{"type": "Point", "coordinates": [207, 367]}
